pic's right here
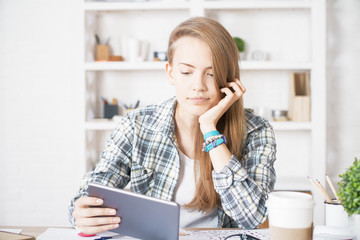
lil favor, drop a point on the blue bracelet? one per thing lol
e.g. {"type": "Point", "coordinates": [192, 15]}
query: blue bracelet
{"type": "Point", "coordinates": [210, 134]}
{"type": "Point", "coordinates": [216, 143]}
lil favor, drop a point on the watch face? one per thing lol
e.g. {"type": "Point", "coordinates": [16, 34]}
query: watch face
{"type": "Point", "coordinates": [258, 55]}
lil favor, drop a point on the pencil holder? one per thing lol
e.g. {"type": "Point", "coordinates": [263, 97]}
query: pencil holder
{"type": "Point", "coordinates": [102, 52]}
{"type": "Point", "coordinates": [110, 110]}
{"type": "Point", "coordinates": [335, 215]}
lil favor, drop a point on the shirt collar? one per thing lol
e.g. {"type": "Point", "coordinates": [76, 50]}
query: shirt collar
{"type": "Point", "coordinates": [163, 118]}
{"type": "Point", "coordinates": [253, 122]}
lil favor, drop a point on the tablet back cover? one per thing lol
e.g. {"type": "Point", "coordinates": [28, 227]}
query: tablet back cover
{"type": "Point", "coordinates": [141, 216]}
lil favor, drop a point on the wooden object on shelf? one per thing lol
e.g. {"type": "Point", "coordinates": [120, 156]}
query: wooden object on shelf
{"type": "Point", "coordinates": [299, 97]}
{"type": "Point", "coordinates": [116, 58]}
{"type": "Point", "coordinates": [102, 52]}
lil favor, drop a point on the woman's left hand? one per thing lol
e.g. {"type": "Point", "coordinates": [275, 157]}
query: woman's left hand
{"type": "Point", "coordinates": [209, 119]}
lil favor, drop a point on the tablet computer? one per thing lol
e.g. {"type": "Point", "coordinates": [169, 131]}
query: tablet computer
{"type": "Point", "coordinates": [141, 216]}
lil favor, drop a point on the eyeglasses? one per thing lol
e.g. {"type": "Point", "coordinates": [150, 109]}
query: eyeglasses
{"type": "Point", "coordinates": [241, 236]}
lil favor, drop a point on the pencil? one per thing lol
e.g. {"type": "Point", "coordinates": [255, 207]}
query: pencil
{"type": "Point", "coordinates": [323, 191]}
{"type": "Point", "coordinates": [331, 186]}
{"type": "Point", "coordinates": [313, 182]}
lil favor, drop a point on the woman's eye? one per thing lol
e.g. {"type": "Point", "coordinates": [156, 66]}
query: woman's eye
{"type": "Point", "coordinates": [210, 74]}
{"type": "Point", "coordinates": [185, 73]}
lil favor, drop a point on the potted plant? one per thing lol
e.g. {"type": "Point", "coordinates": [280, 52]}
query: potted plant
{"type": "Point", "coordinates": [240, 43]}
{"type": "Point", "coordinates": [349, 193]}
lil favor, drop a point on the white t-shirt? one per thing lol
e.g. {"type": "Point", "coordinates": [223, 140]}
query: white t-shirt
{"type": "Point", "coordinates": [184, 193]}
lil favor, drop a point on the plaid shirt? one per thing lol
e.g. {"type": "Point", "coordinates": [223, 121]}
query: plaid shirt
{"type": "Point", "coordinates": [143, 150]}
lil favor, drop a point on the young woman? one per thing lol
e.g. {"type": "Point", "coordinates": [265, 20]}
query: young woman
{"type": "Point", "coordinates": [174, 150]}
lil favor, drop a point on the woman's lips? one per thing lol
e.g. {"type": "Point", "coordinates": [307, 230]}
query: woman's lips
{"type": "Point", "coordinates": [198, 100]}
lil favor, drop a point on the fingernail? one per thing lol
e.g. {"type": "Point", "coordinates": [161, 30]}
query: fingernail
{"type": "Point", "coordinates": [99, 201]}
{"type": "Point", "coordinates": [116, 225]}
{"type": "Point", "coordinates": [116, 220]}
{"type": "Point", "coordinates": [112, 211]}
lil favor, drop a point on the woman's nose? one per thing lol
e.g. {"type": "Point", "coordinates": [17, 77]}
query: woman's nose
{"type": "Point", "coordinates": [198, 83]}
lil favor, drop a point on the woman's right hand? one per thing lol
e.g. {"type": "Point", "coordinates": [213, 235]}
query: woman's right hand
{"type": "Point", "coordinates": [91, 218]}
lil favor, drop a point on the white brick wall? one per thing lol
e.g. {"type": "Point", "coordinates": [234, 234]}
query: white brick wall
{"type": "Point", "coordinates": [40, 109]}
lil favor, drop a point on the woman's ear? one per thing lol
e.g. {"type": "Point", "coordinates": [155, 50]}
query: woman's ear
{"type": "Point", "coordinates": [169, 73]}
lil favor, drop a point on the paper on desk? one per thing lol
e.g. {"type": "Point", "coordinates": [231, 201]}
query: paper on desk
{"type": "Point", "coordinates": [334, 233]}
{"type": "Point", "coordinates": [71, 234]}
{"type": "Point", "coordinates": [263, 234]}
{"type": "Point", "coordinates": [11, 230]}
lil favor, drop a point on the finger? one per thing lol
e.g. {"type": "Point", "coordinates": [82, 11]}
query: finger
{"type": "Point", "coordinates": [88, 201]}
{"type": "Point", "coordinates": [235, 86]}
{"type": "Point", "coordinates": [97, 221]}
{"type": "Point", "coordinates": [243, 89]}
{"type": "Point", "coordinates": [98, 229]}
{"type": "Point", "coordinates": [96, 212]}
{"type": "Point", "coordinates": [227, 92]}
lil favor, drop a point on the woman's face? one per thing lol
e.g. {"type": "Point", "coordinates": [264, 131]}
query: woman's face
{"type": "Point", "coordinates": [192, 75]}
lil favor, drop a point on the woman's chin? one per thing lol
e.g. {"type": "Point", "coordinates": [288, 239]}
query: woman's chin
{"type": "Point", "coordinates": [197, 110]}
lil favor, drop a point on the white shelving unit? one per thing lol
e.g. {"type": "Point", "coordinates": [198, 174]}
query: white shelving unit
{"type": "Point", "coordinates": [293, 33]}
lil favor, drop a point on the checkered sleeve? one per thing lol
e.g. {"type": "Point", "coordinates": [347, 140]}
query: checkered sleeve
{"type": "Point", "coordinates": [243, 185]}
{"type": "Point", "coordinates": [113, 169]}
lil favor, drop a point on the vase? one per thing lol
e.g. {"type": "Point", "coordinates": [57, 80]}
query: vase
{"type": "Point", "coordinates": [242, 56]}
{"type": "Point", "coordinates": [355, 219]}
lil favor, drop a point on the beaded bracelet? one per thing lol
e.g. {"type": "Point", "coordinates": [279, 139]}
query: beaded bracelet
{"type": "Point", "coordinates": [214, 144]}
{"type": "Point", "coordinates": [212, 138]}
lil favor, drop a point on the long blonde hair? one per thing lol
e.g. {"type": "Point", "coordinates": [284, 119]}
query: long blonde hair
{"type": "Point", "coordinates": [225, 65]}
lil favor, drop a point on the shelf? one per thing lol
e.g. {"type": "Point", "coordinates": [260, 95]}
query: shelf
{"type": "Point", "coordinates": [125, 6]}
{"type": "Point", "coordinates": [124, 66]}
{"type": "Point", "coordinates": [100, 124]}
{"type": "Point", "coordinates": [238, 5]}
{"type": "Point", "coordinates": [292, 126]}
{"type": "Point", "coordinates": [244, 65]}
{"type": "Point", "coordinates": [208, 5]}
{"type": "Point", "coordinates": [268, 65]}
{"type": "Point", "coordinates": [104, 124]}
